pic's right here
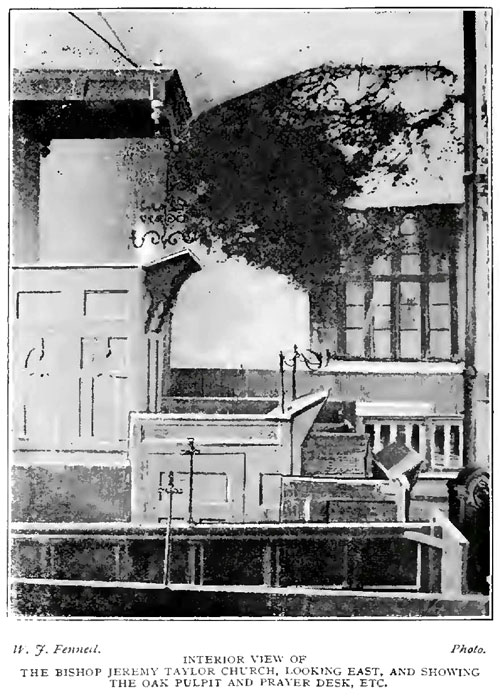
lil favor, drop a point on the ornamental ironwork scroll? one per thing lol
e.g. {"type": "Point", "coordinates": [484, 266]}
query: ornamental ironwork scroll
{"type": "Point", "coordinates": [157, 221]}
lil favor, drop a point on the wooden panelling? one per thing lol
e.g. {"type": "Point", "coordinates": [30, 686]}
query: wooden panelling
{"type": "Point", "coordinates": [77, 337]}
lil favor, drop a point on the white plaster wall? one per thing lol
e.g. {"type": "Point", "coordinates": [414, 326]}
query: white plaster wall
{"type": "Point", "coordinates": [231, 315]}
{"type": "Point", "coordinates": [90, 191]}
{"type": "Point", "coordinates": [82, 203]}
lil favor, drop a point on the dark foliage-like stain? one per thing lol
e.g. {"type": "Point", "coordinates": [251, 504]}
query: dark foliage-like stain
{"type": "Point", "coordinates": [267, 175]}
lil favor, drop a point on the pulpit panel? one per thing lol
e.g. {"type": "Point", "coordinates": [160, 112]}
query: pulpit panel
{"type": "Point", "coordinates": [76, 338]}
{"type": "Point", "coordinates": [217, 493]}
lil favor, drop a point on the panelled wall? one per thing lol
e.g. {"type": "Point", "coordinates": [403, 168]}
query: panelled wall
{"type": "Point", "coordinates": [78, 367]}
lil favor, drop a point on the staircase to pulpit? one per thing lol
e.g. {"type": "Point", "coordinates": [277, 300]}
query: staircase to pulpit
{"type": "Point", "coordinates": [337, 480]}
{"type": "Point", "coordinates": [333, 447]}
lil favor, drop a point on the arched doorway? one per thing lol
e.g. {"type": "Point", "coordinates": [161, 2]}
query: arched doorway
{"type": "Point", "coordinates": [234, 316]}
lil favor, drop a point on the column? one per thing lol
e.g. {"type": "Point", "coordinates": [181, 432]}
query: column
{"type": "Point", "coordinates": [460, 440]}
{"type": "Point", "coordinates": [422, 440]}
{"type": "Point", "coordinates": [155, 370]}
{"type": "Point", "coordinates": [377, 442]}
{"type": "Point", "coordinates": [447, 445]}
{"type": "Point", "coordinates": [430, 446]}
{"type": "Point", "coordinates": [393, 432]}
{"type": "Point", "coordinates": [408, 431]}
{"type": "Point", "coordinates": [477, 58]}
{"type": "Point", "coordinates": [162, 281]}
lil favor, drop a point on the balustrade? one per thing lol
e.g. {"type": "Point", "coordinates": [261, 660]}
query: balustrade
{"type": "Point", "coordinates": [439, 439]}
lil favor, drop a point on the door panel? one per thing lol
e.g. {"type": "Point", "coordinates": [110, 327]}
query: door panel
{"type": "Point", "coordinates": [218, 483]}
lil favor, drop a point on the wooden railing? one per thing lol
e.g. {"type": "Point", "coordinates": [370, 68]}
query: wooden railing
{"type": "Point", "coordinates": [439, 439]}
{"type": "Point", "coordinates": [427, 557]}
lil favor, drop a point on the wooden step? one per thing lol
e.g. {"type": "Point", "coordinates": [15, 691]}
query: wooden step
{"type": "Point", "coordinates": [335, 454]}
{"type": "Point", "coordinates": [341, 500]}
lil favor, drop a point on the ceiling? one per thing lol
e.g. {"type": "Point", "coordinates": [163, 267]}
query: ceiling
{"type": "Point", "coordinates": [225, 53]}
